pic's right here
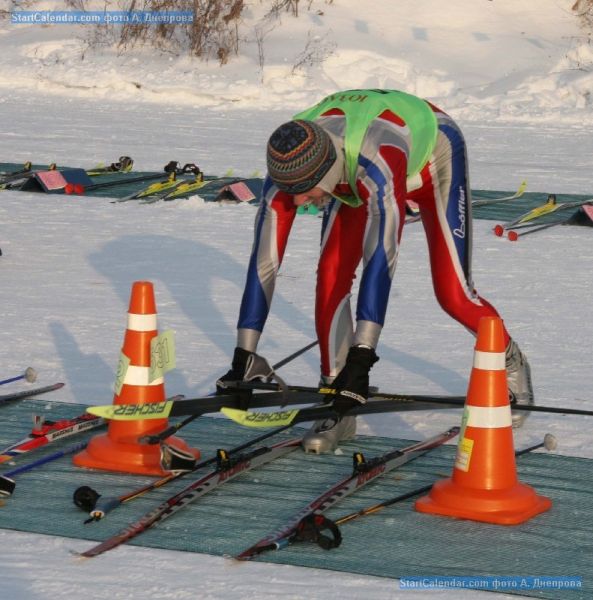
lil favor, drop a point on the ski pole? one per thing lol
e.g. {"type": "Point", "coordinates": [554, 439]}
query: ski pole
{"type": "Point", "coordinates": [7, 484]}
{"type": "Point", "coordinates": [549, 443]}
{"type": "Point", "coordinates": [29, 375]}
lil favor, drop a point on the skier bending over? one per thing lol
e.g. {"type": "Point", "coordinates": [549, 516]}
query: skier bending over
{"type": "Point", "coordinates": [357, 154]}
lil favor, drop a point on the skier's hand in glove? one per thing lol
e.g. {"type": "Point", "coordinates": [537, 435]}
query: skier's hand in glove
{"type": "Point", "coordinates": [352, 383]}
{"type": "Point", "coordinates": [235, 373]}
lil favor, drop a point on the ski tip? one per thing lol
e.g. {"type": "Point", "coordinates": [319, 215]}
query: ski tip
{"type": "Point", "coordinates": [132, 412]}
{"type": "Point", "coordinates": [101, 411]}
{"type": "Point", "coordinates": [498, 230]}
{"type": "Point", "coordinates": [513, 236]}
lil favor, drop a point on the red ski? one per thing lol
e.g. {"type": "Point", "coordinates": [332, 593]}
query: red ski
{"type": "Point", "coordinates": [45, 432]}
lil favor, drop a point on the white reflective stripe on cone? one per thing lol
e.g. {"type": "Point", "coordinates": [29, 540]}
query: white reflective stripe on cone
{"type": "Point", "coordinates": [488, 417]}
{"type": "Point", "coordinates": [141, 322]}
{"type": "Point", "coordinates": [139, 376]}
{"type": "Point", "coordinates": [489, 361]}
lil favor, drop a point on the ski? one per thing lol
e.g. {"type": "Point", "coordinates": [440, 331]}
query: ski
{"type": "Point", "coordinates": [228, 467]}
{"type": "Point", "coordinates": [487, 201]}
{"type": "Point", "coordinates": [29, 393]}
{"type": "Point", "coordinates": [7, 484]}
{"type": "Point", "coordinates": [374, 406]}
{"type": "Point", "coordinates": [549, 443]}
{"type": "Point", "coordinates": [364, 472]}
{"type": "Point", "coordinates": [178, 188]}
{"type": "Point", "coordinates": [294, 394]}
{"type": "Point", "coordinates": [584, 216]}
{"type": "Point", "coordinates": [29, 375]}
{"type": "Point", "coordinates": [44, 433]}
{"type": "Point", "coordinates": [18, 174]}
{"type": "Point", "coordinates": [186, 187]}
{"type": "Point", "coordinates": [299, 395]}
{"type": "Point", "coordinates": [551, 206]}
{"type": "Point", "coordinates": [153, 189]}
{"type": "Point", "coordinates": [161, 188]}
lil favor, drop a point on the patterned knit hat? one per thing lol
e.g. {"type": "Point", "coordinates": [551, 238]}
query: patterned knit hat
{"type": "Point", "coordinates": [300, 153]}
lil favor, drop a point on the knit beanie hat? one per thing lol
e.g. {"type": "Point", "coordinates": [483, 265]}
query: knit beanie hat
{"type": "Point", "coordinates": [299, 154]}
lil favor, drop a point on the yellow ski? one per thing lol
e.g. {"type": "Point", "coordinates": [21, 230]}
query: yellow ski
{"type": "Point", "coordinates": [260, 419]}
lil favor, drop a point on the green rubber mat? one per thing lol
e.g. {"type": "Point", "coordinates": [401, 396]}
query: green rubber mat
{"type": "Point", "coordinates": [502, 212]}
{"type": "Point", "coordinates": [396, 542]}
{"type": "Point", "coordinates": [507, 211]}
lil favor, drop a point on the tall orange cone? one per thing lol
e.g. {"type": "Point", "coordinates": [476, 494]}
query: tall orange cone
{"type": "Point", "coordinates": [118, 449]}
{"type": "Point", "coordinates": [484, 484]}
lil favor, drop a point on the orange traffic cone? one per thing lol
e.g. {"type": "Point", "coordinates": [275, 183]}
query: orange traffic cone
{"type": "Point", "coordinates": [118, 449]}
{"type": "Point", "coordinates": [484, 484]}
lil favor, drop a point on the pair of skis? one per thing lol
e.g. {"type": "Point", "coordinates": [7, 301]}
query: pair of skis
{"type": "Point", "coordinates": [290, 395]}
{"type": "Point", "coordinates": [178, 190]}
{"type": "Point", "coordinates": [583, 216]}
{"type": "Point", "coordinates": [528, 221]}
{"type": "Point", "coordinates": [233, 463]}
{"type": "Point", "coordinates": [161, 190]}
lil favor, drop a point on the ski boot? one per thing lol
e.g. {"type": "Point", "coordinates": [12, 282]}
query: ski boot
{"type": "Point", "coordinates": [518, 381]}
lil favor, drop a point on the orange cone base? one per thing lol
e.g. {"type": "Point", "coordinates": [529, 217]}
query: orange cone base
{"type": "Point", "coordinates": [128, 457]}
{"type": "Point", "coordinates": [502, 507]}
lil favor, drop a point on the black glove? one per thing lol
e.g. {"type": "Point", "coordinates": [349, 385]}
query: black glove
{"type": "Point", "coordinates": [235, 373]}
{"type": "Point", "coordinates": [352, 383]}
{"type": "Point", "coordinates": [246, 366]}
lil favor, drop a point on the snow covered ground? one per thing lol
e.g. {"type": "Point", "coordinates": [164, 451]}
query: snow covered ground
{"type": "Point", "coordinates": [515, 75]}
